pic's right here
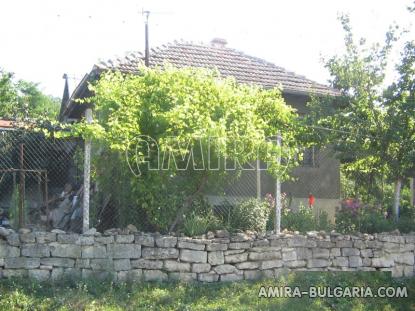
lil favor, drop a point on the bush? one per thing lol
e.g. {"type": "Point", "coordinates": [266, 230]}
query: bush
{"type": "Point", "coordinates": [302, 220]}
{"type": "Point", "coordinates": [353, 216]}
{"type": "Point", "coordinates": [251, 214]}
{"type": "Point", "coordinates": [197, 224]}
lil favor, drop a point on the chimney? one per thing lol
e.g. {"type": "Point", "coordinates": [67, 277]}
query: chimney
{"type": "Point", "coordinates": [218, 42]}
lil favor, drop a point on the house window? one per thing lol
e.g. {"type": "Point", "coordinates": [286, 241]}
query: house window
{"type": "Point", "coordinates": [310, 157]}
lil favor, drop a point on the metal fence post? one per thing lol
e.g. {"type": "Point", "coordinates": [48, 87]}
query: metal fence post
{"type": "Point", "coordinates": [87, 175]}
{"type": "Point", "coordinates": [278, 194]}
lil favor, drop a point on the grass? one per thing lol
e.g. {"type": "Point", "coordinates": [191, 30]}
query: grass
{"type": "Point", "coordinates": [69, 295]}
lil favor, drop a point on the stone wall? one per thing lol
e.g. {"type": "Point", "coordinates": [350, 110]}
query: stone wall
{"type": "Point", "coordinates": [127, 256]}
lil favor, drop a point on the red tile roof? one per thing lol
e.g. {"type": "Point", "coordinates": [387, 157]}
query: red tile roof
{"type": "Point", "coordinates": [229, 62]}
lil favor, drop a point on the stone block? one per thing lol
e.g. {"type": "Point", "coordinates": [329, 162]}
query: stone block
{"type": "Point", "coordinates": [94, 251]}
{"type": "Point", "coordinates": [122, 264]}
{"type": "Point", "coordinates": [174, 265]}
{"type": "Point", "coordinates": [271, 264]}
{"type": "Point", "coordinates": [9, 251]}
{"type": "Point", "coordinates": [65, 250]}
{"type": "Point", "coordinates": [105, 264]}
{"type": "Point", "coordinates": [208, 277]}
{"type": "Point", "coordinates": [405, 258]}
{"type": "Point", "coordinates": [231, 277]}
{"type": "Point", "coordinates": [13, 239]}
{"type": "Point", "coordinates": [193, 256]}
{"type": "Point", "coordinates": [58, 262]}
{"type": "Point", "coordinates": [298, 242]}
{"type": "Point", "coordinates": [303, 253]}
{"type": "Point", "coordinates": [367, 252]}
{"type": "Point", "coordinates": [317, 263]}
{"type": "Point", "coordinates": [239, 245]}
{"type": "Point", "coordinates": [45, 237]}
{"type": "Point", "coordinates": [124, 238]}
{"type": "Point", "coordinates": [39, 274]}
{"type": "Point", "coordinates": [147, 264]}
{"type": "Point", "coordinates": [355, 261]}
{"type": "Point", "coordinates": [265, 255]}
{"type": "Point", "coordinates": [252, 275]}
{"type": "Point", "coordinates": [81, 263]}
{"type": "Point", "coordinates": [321, 253]}
{"type": "Point", "coordinates": [223, 269]}
{"type": "Point", "coordinates": [69, 238]}
{"type": "Point", "coordinates": [108, 239]}
{"type": "Point", "coordinates": [348, 251]}
{"type": "Point", "coordinates": [335, 252]}
{"type": "Point", "coordinates": [154, 275]}
{"type": "Point", "coordinates": [21, 263]}
{"type": "Point", "coordinates": [236, 258]}
{"type": "Point", "coordinates": [14, 273]}
{"type": "Point", "coordinates": [216, 258]}
{"type": "Point", "coordinates": [217, 247]}
{"type": "Point", "coordinates": [182, 276]}
{"type": "Point", "coordinates": [201, 267]}
{"type": "Point", "coordinates": [119, 251]}
{"type": "Point", "coordinates": [341, 262]}
{"type": "Point", "coordinates": [289, 254]}
{"type": "Point", "coordinates": [166, 241]}
{"type": "Point", "coordinates": [189, 245]}
{"type": "Point", "coordinates": [144, 240]}
{"type": "Point", "coordinates": [35, 250]}
{"type": "Point", "coordinates": [160, 253]}
{"type": "Point", "coordinates": [295, 264]}
{"type": "Point", "coordinates": [86, 240]}
{"type": "Point", "coordinates": [135, 275]}
{"type": "Point", "coordinates": [344, 243]}
{"type": "Point", "coordinates": [382, 262]}
{"type": "Point", "coordinates": [248, 265]}
{"type": "Point", "coordinates": [28, 237]}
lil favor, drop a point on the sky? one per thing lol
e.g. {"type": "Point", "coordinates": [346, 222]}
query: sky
{"type": "Point", "coordinates": [41, 40]}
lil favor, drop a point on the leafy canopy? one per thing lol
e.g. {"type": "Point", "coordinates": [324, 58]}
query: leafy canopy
{"type": "Point", "coordinates": [23, 100]}
{"type": "Point", "coordinates": [195, 121]}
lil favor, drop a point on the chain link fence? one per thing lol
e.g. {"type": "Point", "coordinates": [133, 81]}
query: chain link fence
{"type": "Point", "coordinates": [121, 198]}
{"type": "Point", "coordinates": [40, 180]}
{"type": "Point", "coordinates": [41, 186]}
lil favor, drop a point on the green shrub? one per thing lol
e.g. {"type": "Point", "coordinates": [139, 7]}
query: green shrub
{"type": "Point", "coordinates": [356, 217]}
{"type": "Point", "coordinates": [197, 224]}
{"type": "Point", "coordinates": [251, 214]}
{"type": "Point", "coordinates": [302, 220]}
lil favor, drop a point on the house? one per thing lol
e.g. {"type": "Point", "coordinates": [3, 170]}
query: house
{"type": "Point", "coordinates": [319, 175]}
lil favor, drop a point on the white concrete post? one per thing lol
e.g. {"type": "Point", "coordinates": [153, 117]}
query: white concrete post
{"type": "Point", "coordinates": [258, 179]}
{"type": "Point", "coordinates": [87, 175]}
{"type": "Point", "coordinates": [278, 202]}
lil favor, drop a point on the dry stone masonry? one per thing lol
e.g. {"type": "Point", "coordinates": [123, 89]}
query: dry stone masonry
{"type": "Point", "coordinates": [124, 255]}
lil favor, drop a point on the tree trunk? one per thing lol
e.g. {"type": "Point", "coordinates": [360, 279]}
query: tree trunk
{"type": "Point", "coordinates": [187, 203]}
{"type": "Point", "coordinates": [397, 197]}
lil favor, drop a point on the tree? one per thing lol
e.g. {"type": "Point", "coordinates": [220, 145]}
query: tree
{"type": "Point", "coordinates": [371, 126]}
{"type": "Point", "coordinates": [167, 118]}
{"type": "Point", "coordinates": [23, 100]}
{"type": "Point", "coordinates": [398, 147]}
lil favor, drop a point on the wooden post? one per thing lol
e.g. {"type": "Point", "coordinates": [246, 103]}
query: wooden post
{"type": "Point", "coordinates": [87, 175]}
{"type": "Point", "coordinates": [278, 194]}
{"type": "Point", "coordinates": [258, 179]}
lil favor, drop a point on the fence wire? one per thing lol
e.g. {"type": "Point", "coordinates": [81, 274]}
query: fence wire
{"type": "Point", "coordinates": [41, 186]}
{"type": "Point", "coordinates": [40, 181]}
